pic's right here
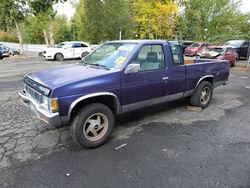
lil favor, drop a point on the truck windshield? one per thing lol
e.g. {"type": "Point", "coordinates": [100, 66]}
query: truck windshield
{"type": "Point", "coordinates": [109, 55]}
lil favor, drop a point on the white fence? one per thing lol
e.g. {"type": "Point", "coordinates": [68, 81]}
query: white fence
{"type": "Point", "coordinates": [27, 47]}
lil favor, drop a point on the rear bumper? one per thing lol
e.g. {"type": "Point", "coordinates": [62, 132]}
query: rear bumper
{"type": "Point", "coordinates": [49, 118]}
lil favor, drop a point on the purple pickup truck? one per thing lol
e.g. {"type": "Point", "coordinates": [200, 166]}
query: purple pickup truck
{"type": "Point", "coordinates": [117, 77]}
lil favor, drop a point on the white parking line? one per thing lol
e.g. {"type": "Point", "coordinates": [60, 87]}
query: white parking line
{"type": "Point", "coordinates": [248, 87]}
{"type": "Point", "coordinates": [244, 77]}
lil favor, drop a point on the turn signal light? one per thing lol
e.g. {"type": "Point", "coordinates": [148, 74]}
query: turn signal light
{"type": "Point", "coordinates": [54, 105]}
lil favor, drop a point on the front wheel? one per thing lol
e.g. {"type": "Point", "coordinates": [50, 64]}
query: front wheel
{"type": "Point", "coordinates": [202, 95]}
{"type": "Point", "coordinates": [93, 125]}
{"type": "Point", "coordinates": [59, 57]}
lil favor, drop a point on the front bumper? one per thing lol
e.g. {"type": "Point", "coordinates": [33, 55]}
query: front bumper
{"type": "Point", "coordinates": [50, 57]}
{"type": "Point", "coordinates": [49, 118]}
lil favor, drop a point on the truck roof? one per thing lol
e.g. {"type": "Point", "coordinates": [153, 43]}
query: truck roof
{"type": "Point", "coordinates": [138, 41]}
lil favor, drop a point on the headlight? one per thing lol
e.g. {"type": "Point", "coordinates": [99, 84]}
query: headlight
{"type": "Point", "coordinates": [45, 103]}
{"type": "Point", "coordinates": [50, 104]}
{"type": "Point", "coordinates": [44, 90]}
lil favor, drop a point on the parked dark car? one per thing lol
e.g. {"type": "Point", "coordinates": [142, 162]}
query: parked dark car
{"type": "Point", "coordinates": [193, 49]}
{"type": "Point", "coordinates": [184, 44]}
{"type": "Point", "coordinates": [5, 51]}
{"type": "Point", "coordinates": [118, 77]}
{"type": "Point", "coordinates": [1, 54]}
{"type": "Point", "coordinates": [241, 46]}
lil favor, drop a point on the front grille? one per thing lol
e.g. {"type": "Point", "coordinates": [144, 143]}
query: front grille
{"type": "Point", "coordinates": [33, 94]}
{"type": "Point", "coordinates": [39, 88]}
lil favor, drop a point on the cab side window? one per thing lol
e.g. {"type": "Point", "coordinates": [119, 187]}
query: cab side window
{"type": "Point", "coordinates": [151, 57]}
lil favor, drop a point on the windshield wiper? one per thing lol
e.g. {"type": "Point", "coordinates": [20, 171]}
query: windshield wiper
{"type": "Point", "coordinates": [98, 65]}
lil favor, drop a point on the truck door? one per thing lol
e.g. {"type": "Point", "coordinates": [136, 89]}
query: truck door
{"type": "Point", "coordinates": [177, 72]}
{"type": "Point", "coordinates": [150, 82]}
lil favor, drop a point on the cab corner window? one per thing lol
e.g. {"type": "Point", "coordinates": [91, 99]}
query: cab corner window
{"type": "Point", "coordinates": [176, 53]}
{"type": "Point", "coordinates": [150, 57]}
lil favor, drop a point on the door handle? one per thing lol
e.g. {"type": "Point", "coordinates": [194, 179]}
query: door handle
{"type": "Point", "coordinates": [165, 78]}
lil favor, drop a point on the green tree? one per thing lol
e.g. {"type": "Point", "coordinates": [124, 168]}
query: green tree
{"type": "Point", "coordinates": [154, 19]}
{"type": "Point", "coordinates": [12, 13]}
{"type": "Point", "coordinates": [33, 30]}
{"type": "Point", "coordinates": [44, 13]}
{"type": "Point", "coordinates": [61, 29]}
{"type": "Point", "coordinates": [100, 20]}
{"type": "Point", "coordinates": [212, 20]}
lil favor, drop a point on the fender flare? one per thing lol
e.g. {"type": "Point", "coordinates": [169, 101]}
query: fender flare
{"type": "Point", "coordinates": [85, 97]}
{"type": "Point", "coordinates": [202, 78]}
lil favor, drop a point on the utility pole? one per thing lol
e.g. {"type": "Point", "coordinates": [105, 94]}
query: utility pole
{"type": "Point", "coordinates": [248, 55]}
{"type": "Point", "coordinates": [120, 35]}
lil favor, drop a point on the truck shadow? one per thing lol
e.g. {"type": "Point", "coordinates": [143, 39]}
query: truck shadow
{"type": "Point", "coordinates": [138, 115]}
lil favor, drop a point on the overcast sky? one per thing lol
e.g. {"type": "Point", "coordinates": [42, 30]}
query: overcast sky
{"type": "Point", "coordinates": [67, 8]}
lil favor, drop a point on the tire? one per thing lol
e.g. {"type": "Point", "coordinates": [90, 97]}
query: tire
{"type": "Point", "coordinates": [202, 95]}
{"type": "Point", "coordinates": [234, 63]}
{"type": "Point", "coordinates": [59, 57]}
{"type": "Point", "coordinates": [93, 125]}
{"type": "Point", "coordinates": [84, 54]}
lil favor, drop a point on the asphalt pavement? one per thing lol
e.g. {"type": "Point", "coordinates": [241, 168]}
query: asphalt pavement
{"type": "Point", "coordinates": [161, 146]}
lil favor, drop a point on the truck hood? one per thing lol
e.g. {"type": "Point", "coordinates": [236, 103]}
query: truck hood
{"type": "Point", "coordinates": [66, 74]}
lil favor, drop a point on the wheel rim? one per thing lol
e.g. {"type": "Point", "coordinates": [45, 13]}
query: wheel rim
{"type": "Point", "coordinates": [205, 95]}
{"type": "Point", "coordinates": [95, 127]}
{"type": "Point", "coordinates": [59, 57]}
{"type": "Point", "coordinates": [84, 54]}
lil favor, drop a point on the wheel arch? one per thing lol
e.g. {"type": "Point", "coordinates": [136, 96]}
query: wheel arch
{"type": "Point", "coordinates": [106, 98]}
{"type": "Point", "coordinates": [208, 78]}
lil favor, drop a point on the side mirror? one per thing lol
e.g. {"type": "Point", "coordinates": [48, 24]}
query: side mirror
{"type": "Point", "coordinates": [132, 68]}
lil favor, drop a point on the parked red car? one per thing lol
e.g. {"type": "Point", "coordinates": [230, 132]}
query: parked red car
{"type": "Point", "coordinates": [220, 52]}
{"type": "Point", "coordinates": [193, 49]}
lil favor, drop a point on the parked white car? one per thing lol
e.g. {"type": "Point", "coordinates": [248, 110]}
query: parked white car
{"type": "Point", "coordinates": [67, 50]}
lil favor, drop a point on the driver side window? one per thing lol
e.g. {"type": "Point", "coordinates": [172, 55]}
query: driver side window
{"type": "Point", "coordinates": [150, 57]}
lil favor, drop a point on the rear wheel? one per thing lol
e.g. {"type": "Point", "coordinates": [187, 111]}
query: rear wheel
{"type": "Point", "coordinates": [202, 95]}
{"type": "Point", "coordinates": [93, 125]}
{"type": "Point", "coordinates": [59, 57]}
